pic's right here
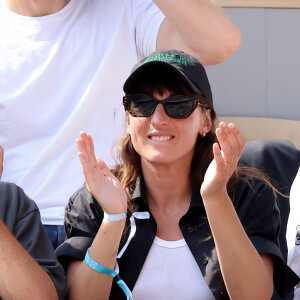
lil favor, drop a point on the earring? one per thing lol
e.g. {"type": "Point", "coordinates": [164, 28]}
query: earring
{"type": "Point", "coordinates": [203, 134]}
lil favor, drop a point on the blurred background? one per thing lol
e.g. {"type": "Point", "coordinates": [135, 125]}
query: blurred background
{"type": "Point", "coordinates": [260, 84]}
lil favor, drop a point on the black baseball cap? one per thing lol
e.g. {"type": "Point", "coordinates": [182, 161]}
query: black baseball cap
{"type": "Point", "coordinates": [187, 66]}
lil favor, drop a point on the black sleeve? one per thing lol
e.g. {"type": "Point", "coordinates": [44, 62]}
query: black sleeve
{"type": "Point", "coordinates": [258, 211]}
{"type": "Point", "coordinates": [259, 214]}
{"type": "Point", "coordinates": [280, 160]}
{"type": "Point", "coordinates": [22, 217]}
{"type": "Point", "coordinates": [83, 217]}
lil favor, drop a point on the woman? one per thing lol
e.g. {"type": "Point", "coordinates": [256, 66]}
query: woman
{"type": "Point", "coordinates": [210, 245]}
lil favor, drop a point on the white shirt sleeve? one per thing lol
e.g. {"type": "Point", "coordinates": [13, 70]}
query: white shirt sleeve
{"type": "Point", "coordinates": [147, 18]}
{"type": "Point", "coordinates": [293, 231]}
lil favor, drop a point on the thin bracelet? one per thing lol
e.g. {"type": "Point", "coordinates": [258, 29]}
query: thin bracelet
{"type": "Point", "coordinates": [114, 217]}
{"type": "Point", "coordinates": [101, 269]}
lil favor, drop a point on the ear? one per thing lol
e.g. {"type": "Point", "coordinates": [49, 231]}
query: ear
{"type": "Point", "coordinates": [206, 123]}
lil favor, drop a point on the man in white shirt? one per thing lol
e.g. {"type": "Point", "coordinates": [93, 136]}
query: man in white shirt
{"type": "Point", "coordinates": [61, 72]}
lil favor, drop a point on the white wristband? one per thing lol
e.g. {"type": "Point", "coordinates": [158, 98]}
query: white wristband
{"type": "Point", "coordinates": [115, 217]}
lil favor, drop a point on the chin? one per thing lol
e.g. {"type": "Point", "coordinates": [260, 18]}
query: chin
{"type": "Point", "coordinates": [159, 159]}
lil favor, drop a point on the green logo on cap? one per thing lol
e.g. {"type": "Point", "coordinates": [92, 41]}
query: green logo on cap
{"type": "Point", "coordinates": [163, 57]}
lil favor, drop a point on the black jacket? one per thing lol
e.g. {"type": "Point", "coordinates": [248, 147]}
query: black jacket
{"type": "Point", "coordinates": [256, 207]}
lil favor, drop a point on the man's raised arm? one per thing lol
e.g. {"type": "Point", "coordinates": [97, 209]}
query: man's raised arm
{"type": "Point", "coordinates": [198, 27]}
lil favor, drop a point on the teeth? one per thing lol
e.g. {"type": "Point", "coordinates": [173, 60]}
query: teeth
{"type": "Point", "coordinates": [160, 138]}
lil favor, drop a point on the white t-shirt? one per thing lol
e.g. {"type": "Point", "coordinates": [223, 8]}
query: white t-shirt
{"type": "Point", "coordinates": [293, 231]}
{"type": "Point", "coordinates": [61, 74]}
{"type": "Point", "coordinates": [171, 272]}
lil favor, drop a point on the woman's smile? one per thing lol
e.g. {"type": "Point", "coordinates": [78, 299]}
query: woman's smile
{"type": "Point", "coordinates": [158, 137]}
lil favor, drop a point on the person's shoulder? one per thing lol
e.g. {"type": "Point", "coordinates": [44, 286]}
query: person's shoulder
{"type": "Point", "coordinates": [81, 196]}
{"type": "Point", "coordinates": [9, 187]}
{"type": "Point", "coordinates": [14, 203]}
{"type": "Point", "coordinates": [83, 217]}
{"type": "Point", "coordinates": [278, 159]}
{"type": "Point", "coordinates": [272, 155]}
{"type": "Point", "coordinates": [82, 191]}
{"type": "Point", "coordinates": [83, 201]}
{"type": "Point", "coordinates": [254, 195]}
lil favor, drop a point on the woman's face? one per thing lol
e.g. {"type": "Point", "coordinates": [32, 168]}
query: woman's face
{"type": "Point", "coordinates": [160, 139]}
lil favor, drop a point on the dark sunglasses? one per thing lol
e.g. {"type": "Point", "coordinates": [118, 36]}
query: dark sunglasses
{"type": "Point", "coordinates": [177, 106]}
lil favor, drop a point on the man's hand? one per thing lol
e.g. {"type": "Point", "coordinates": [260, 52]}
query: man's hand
{"type": "Point", "coordinates": [1, 160]}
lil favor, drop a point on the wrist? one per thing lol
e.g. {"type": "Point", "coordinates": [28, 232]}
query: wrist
{"type": "Point", "coordinates": [216, 195]}
{"type": "Point", "coordinates": [114, 217]}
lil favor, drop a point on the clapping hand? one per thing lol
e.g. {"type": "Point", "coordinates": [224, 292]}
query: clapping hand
{"type": "Point", "coordinates": [101, 183]}
{"type": "Point", "coordinates": [225, 160]}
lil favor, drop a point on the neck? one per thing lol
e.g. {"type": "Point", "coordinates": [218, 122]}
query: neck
{"type": "Point", "coordinates": [36, 8]}
{"type": "Point", "coordinates": [167, 187]}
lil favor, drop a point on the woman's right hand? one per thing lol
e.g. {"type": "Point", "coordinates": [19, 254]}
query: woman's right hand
{"type": "Point", "coordinates": [101, 183]}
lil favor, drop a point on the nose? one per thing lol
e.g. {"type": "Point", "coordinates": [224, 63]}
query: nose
{"type": "Point", "coordinates": [159, 116]}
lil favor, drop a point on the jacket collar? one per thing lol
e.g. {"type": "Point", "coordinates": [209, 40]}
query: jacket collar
{"type": "Point", "coordinates": [139, 199]}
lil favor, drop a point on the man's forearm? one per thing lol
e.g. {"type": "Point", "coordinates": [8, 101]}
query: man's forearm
{"type": "Point", "coordinates": [198, 27]}
{"type": "Point", "coordinates": [20, 275]}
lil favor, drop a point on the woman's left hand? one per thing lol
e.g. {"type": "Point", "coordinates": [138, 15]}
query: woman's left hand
{"type": "Point", "coordinates": [225, 161]}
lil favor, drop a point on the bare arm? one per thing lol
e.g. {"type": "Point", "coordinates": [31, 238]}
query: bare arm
{"type": "Point", "coordinates": [246, 274]}
{"type": "Point", "coordinates": [198, 27]}
{"type": "Point", "coordinates": [20, 275]}
{"type": "Point", "coordinates": [83, 281]}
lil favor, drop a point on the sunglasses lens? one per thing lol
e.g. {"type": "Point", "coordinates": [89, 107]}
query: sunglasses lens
{"type": "Point", "coordinates": [178, 106]}
{"type": "Point", "coordinates": [180, 109]}
{"type": "Point", "coordinates": [141, 106]}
